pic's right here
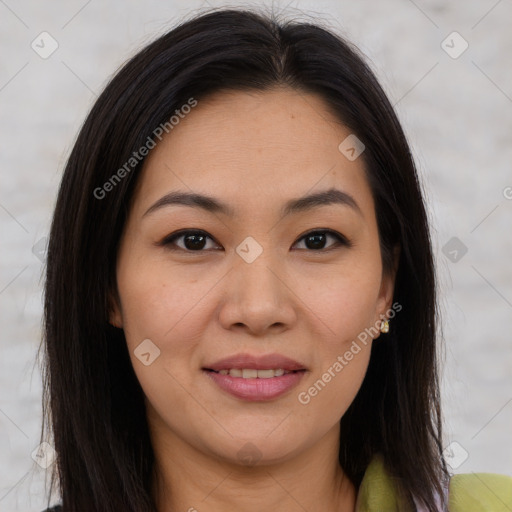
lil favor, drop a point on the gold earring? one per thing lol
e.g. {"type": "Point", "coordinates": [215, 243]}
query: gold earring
{"type": "Point", "coordinates": [384, 326]}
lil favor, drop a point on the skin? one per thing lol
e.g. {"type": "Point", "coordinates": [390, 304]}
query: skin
{"type": "Point", "coordinates": [254, 151]}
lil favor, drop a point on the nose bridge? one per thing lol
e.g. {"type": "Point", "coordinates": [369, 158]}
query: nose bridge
{"type": "Point", "coordinates": [256, 271]}
{"type": "Point", "coordinates": [257, 295]}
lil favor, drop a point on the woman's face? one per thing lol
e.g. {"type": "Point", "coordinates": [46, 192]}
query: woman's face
{"type": "Point", "coordinates": [256, 284]}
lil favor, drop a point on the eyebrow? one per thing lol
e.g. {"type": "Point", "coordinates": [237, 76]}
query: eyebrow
{"type": "Point", "coordinates": [213, 205]}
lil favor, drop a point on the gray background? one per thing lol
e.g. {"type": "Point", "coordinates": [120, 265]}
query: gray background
{"type": "Point", "coordinates": [457, 113]}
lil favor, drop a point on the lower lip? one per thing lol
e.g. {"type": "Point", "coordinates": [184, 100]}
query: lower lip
{"type": "Point", "coordinates": [254, 390]}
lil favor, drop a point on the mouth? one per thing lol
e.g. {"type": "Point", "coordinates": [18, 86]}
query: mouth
{"type": "Point", "coordinates": [253, 378]}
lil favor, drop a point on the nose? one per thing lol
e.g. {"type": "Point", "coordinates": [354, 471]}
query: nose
{"type": "Point", "coordinates": [258, 297]}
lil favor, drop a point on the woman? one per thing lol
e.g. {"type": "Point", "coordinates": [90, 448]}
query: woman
{"type": "Point", "coordinates": [240, 304]}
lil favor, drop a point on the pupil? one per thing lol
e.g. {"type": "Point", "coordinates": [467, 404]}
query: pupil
{"type": "Point", "coordinates": [192, 246]}
{"type": "Point", "coordinates": [318, 241]}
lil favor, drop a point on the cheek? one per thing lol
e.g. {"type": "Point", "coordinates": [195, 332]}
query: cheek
{"type": "Point", "coordinates": [342, 354]}
{"type": "Point", "coordinates": [333, 388]}
{"type": "Point", "coordinates": [168, 315]}
{"type": "Point", "coordinates": [343, 309]}
{"type": "Point", "coordinates": [343, 299]}
{"type": "Point", "coordinates": [160, 310]}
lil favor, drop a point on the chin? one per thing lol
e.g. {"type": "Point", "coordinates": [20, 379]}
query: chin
{"type": "Point", "coordinates": [258, 449]}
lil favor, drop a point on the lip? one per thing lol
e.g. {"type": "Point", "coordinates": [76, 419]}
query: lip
{"type": "Point", "coordinates": [241, 361]}
{"type": "Point", "coordinates": [256, 390]}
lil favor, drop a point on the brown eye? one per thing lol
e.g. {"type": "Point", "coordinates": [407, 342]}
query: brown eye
{"type": "Point", "coordinates": [193, 241]}
{"type": "Point", "coordinates": [316, 240]}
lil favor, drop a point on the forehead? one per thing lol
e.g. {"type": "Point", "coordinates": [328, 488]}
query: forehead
{"type": "Point", "coordinates": [254, 149]}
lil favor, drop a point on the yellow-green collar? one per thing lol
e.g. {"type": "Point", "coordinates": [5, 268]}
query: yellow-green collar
{"type": "Point", "coordinates": [471, 492]}
{"type": "Point", "coordinates": [377, 491]}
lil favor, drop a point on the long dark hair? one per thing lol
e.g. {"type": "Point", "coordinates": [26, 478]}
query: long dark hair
{"type": "Point", "coordinates": [92, 401]}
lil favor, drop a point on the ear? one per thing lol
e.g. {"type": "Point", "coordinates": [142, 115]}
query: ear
{"type": "Point", "coordinates": [114, 309]}
{"type": "Point", "coordinates": [387, 288]}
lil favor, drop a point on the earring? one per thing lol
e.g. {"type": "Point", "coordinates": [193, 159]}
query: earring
{"type": "Point", "coordinates": [384, 326]}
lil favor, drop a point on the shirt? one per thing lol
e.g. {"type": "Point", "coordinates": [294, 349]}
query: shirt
{"type": "Point", "coordinates": [468, 492]}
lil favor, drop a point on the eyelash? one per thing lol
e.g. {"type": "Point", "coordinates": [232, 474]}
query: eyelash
{"type": "Point", "coordinates": [169, 240]}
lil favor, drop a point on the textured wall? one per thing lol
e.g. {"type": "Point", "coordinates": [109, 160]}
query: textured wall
{"type": "Point", "coordinates": [456, 107]}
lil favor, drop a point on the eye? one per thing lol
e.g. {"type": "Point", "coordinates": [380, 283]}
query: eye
{"type": "Point", "coordinates": [315, 240]}
{"type": "Point", "coordinates": [196, 240]}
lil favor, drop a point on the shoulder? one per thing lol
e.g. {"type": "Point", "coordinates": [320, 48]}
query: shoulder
{"type": "Point", "coordinates": [480, 491]}
{"type": "Point", "coordinates": [56, 508]}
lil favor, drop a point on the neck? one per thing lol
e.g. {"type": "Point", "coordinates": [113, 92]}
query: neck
{"type": "Point", "coordinates": [186, 479]}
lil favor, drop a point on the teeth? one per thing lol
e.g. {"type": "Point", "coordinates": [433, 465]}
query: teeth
{"type": "Point", "coordinates": [249, 373]}
{"type": "Point", "coordinates": [264, 374]}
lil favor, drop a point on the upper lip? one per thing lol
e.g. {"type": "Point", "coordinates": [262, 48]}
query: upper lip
{"type": "Point", "coordinates": [264, 362]}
